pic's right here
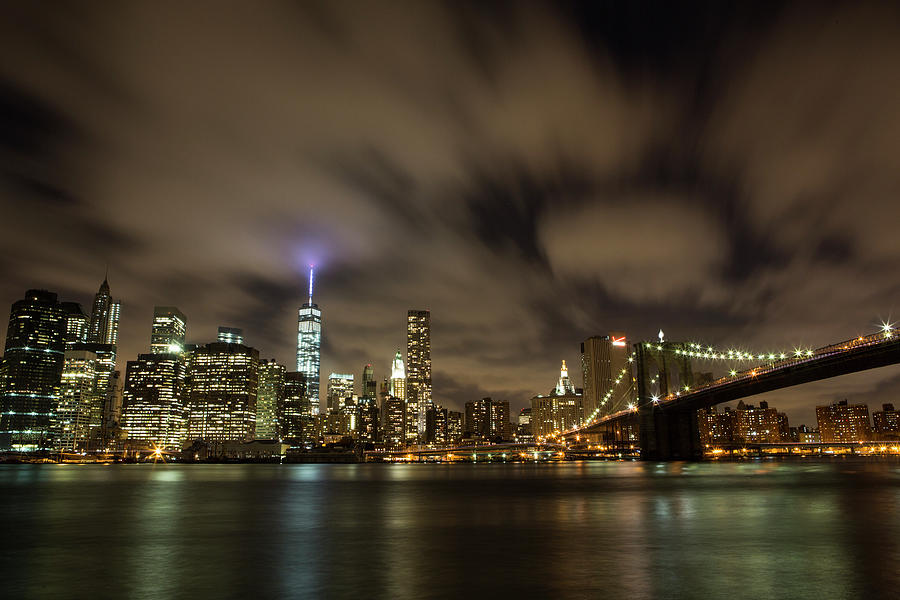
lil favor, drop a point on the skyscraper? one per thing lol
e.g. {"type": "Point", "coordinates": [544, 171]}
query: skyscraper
{"type": "Point", "coordinates": [153, 411]}
{"type": "Point", "coordinates": [295, 414]}
{"type": "Point", "coordinates": [393, 420]}
{"type": "Point", "coordinates": [77, 323]}
{"type": "Point", "coordinates": [309, 345]}
{"type": "Point", "coordinates": [222, 380]}
{"type": "Point", "coordinates": [369, 385]}
{"type": "Point", "coordinates": [32, 370]}
{"type": "Point", "coordinates": [418, 367]}
{"type": "Point", "coordinates": [104, 325]}
{"type": "Point", "coordinates": [340, 387]}
{"type": "Point", "coordinates": [230, 335]}
{"type": "Point", "coordinates": [79, 414]}
{"type": "Point", "coordinates": [169, 327]}
{"type": "Point", "coordinates": [269, 399]}
{"type": "Point", "coordinates": [603, 359]}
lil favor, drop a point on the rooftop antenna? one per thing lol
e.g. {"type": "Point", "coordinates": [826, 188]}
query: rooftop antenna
{"type": "Point", "coordinates": [311, 267]}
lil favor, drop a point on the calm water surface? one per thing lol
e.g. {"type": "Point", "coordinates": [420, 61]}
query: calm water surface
{"type": "Point", "coordinates": [571, 530]}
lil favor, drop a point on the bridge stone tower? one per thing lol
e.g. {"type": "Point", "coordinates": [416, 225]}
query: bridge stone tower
{"type": "Point", "coordinates": [666, 433]}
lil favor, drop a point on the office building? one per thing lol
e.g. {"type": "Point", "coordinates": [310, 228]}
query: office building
{"type": "Point", "coordinates": [368, 427]}
{"type": "Point", "coordinates": [153, 402]}
{"type": "Point", "coordinates": [844, 423]}
{"type": "Point", "coordinates": [79, 415]}
{"type": "Point", "coordinates": [77, 323]}
{"type": "Point", "coordinates": [340, 387]}
{"type": "Point", "coordinates": [418, 368]}
{"type": "Point", "coordinates": [309, 345]}
{"type": "Point", "coordinates": [269, 399]}
{"type": "Point", "coordinates": [523, 423]}
{"type": "Point", "coordinates": [230, 335]}
{"type": "Point", "coordinates": [603, 360]}
{"type": "Point", "coordinates": [222, 380]}
{"type": "Point", "coordinates": [168, 330]}
{"type": "Point", "coordinates": [295, 415]}
{"type": "Point", "coordinates": [393, 415]}
{"type": "Point", "coordinates": [455, 427]}
{"type": "Point", "coordinates": [32, 371]}
{"type": "Point", "coordinates": [369, 387]}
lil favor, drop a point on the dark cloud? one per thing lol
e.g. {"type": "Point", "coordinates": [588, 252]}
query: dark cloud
{"type": "Point", "coordinates": [533, 173]}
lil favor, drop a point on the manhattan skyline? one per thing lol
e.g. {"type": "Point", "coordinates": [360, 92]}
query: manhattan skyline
{"type": "Point", "coordinates": [529, 174]}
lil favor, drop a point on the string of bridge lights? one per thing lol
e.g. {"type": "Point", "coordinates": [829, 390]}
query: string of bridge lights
{"type": "Point", "coordinates": [609, 393]}
{"type": "Point", "coordinates": [710, 353]}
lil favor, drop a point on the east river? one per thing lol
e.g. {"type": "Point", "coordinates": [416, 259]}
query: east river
{"type": "Point", "coordinates": [754, 530]}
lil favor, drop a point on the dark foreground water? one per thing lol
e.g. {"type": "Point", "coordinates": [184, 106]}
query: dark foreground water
{"type": "Point", "coordinates": [598, 530]}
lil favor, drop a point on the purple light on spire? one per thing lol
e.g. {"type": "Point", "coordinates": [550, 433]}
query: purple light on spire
{"type": "Point", "coordinates": [310, 283]}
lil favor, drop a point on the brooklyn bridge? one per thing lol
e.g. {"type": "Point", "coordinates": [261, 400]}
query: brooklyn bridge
{"type": "Point", "coordinates": [660, 415]}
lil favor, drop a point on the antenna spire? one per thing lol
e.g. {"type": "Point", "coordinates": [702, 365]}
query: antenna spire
{"type": "Point", "coordinates": [311, 267]}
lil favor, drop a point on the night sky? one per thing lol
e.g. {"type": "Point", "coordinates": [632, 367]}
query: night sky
{"type": "Point", "coordinates": [533, 174]}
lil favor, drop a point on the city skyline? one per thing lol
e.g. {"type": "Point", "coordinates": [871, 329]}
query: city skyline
{"type": "Point", "coordinates": [529, 174]}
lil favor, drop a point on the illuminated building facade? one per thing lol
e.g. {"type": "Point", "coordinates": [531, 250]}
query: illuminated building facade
{"type": "Point", "coordinates": [309, 345]}
{"type": "Point", "coordinates": [500, 420]}
{"type": "Point", "coordinates": [104, 324]}
{"type": "Point", "coordinates": [398, 378]}
{"type": "Point", "coordinates": [455, 428]}
{"type": "Point", "coordinates": [478, 417]}
{"type": "Point", "coordinates": [230, 335]}
{"type": "Point", "coordinates": [153, 410]}
{"type": "Point", "coordinates": [757, 424]}
{"type": "Point", "coordinates": [418, 368]}
{"type": "Point", "coordinates": [886, 423]}
{"type": "Point", "coordinates": [108, 385]}
{"type": "Point", "coordinates": [340, 387]}
{"type": "Point", "coordinates": [269, 398]}
{"type": "Point", "coordinates": [168, 330]}
{"type": "Point", "coordinates": [715, 427]}
{"type": "Point", "coordinates": [368, 428]}
{"type": "Point", "coordinates": [79, 415]}
{"type": "Point", "coordinates": [295, 413]}
{"type": "Point", "coordinates": [222, 380]}
{"type": "Point", "coordinates": [602, 361]}
{"type": "Point", "coordinates": [523, 423]}
{"type": "Point", "coordinates": [562, 410]}
{"type": "Point", "coordinates": [393, 414]}
{"type": "Point", "coordinates": [32, 370]}
{"type": "Point", "coordinates": [747, 424]}
{"type": "Point", "coordinates": [844, 423]}
{"type": "Point", "coordinates": [76, 323]}
{"type": "Point", "coordinates": [436, 425]}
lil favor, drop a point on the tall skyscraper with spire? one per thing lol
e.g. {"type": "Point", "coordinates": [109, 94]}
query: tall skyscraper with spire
{"type": "Point", "coordinates": [309, 344]}
{"type": "Point", "coordinates": [418, 367]}
{"type": "Point", "coordinates": [104, 325]}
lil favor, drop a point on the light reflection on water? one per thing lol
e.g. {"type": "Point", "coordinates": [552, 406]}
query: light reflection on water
{"type": "Point", "coordinates": [608, 530]}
